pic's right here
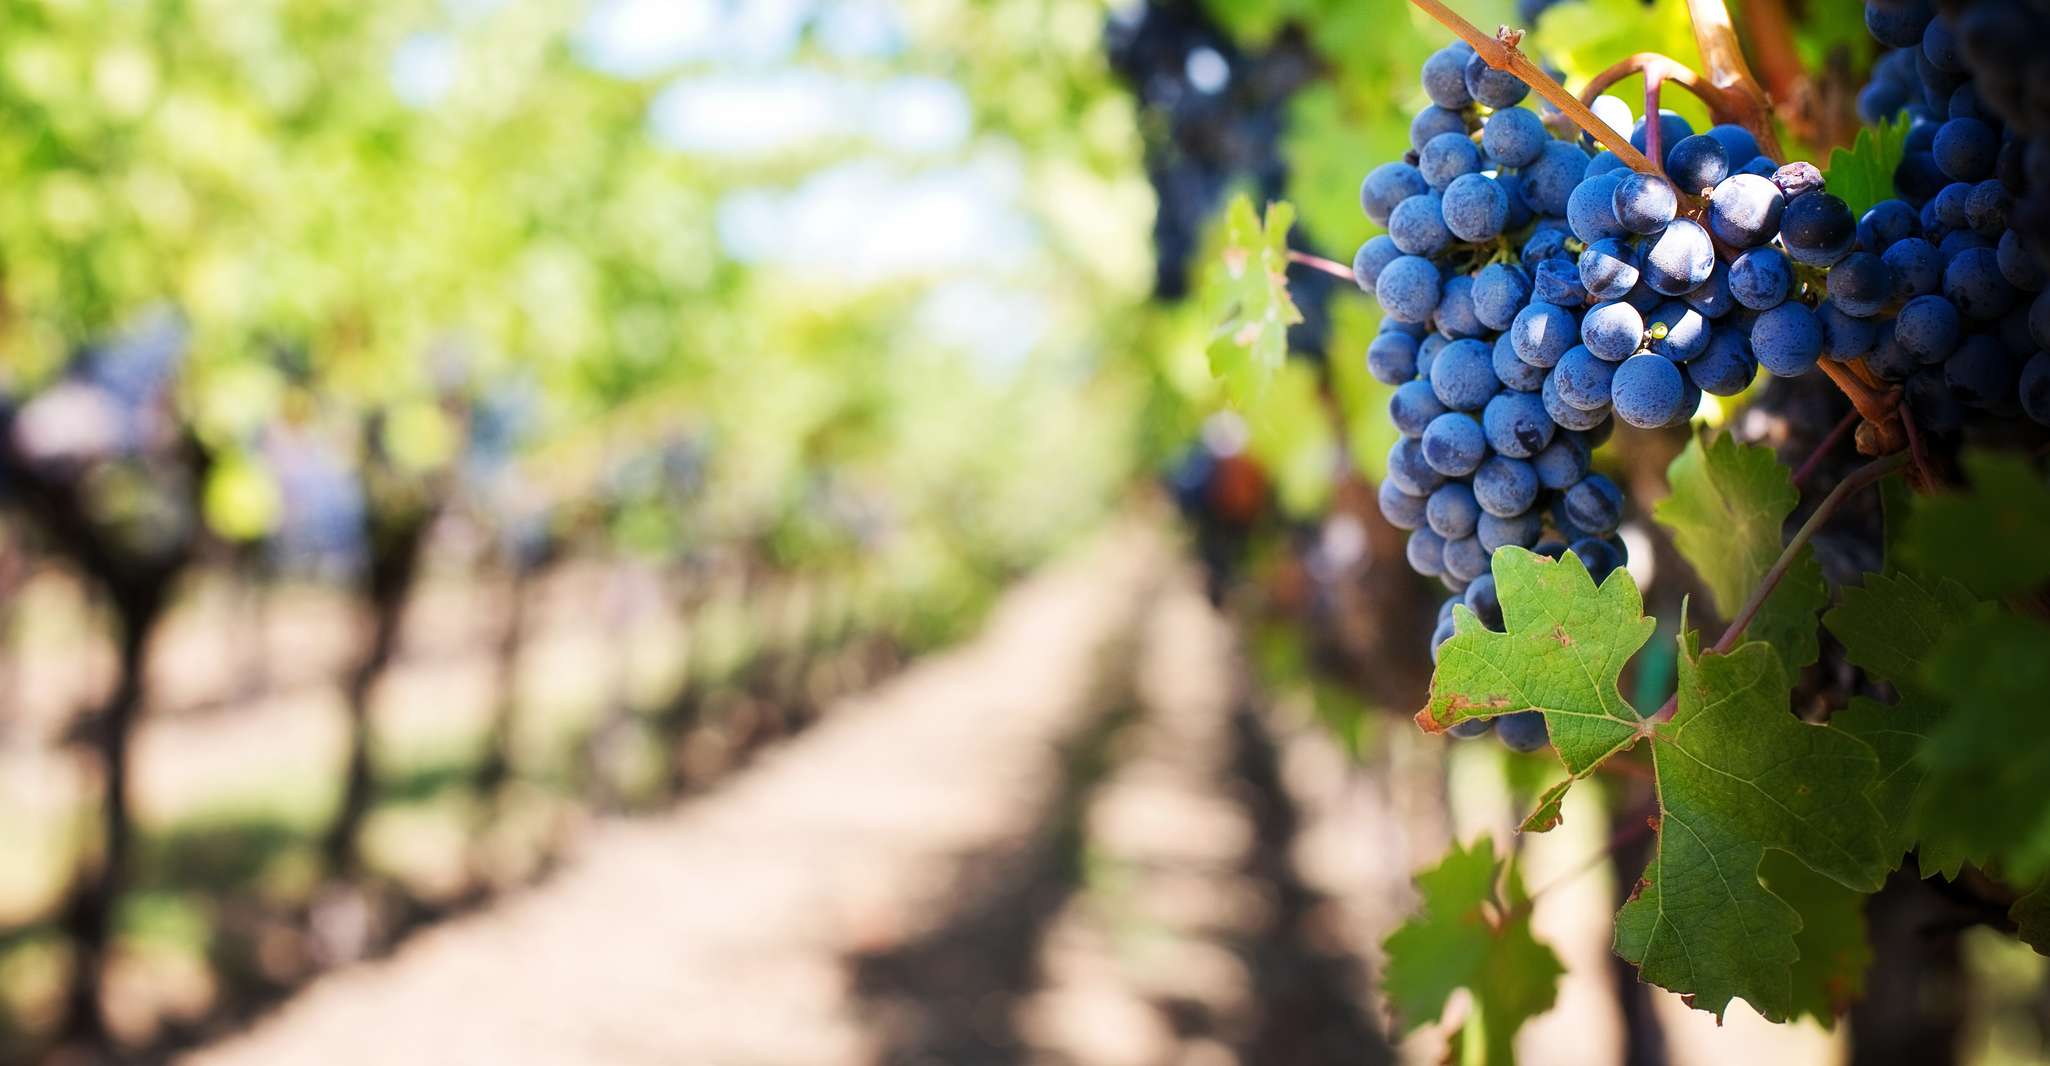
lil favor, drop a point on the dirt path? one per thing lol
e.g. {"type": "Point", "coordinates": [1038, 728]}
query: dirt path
{"type": "Point", "coordinates": [717, 934]}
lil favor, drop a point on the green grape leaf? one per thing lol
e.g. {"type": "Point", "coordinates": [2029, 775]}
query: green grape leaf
{"type": "Point", "coordinates": [1737, 775]}
{"type": "Point", "coordinates": [1890, 626]}
{"type": "Point", "coordinates": [1563, 654]}
{"type": "Point", "coordinates": [2031, 917]}
{"type": "Point", "coordinates": [1896, 733]}
{"type": "Point", "coordinates": [1466, 936]}
{"type": "Point", "coordinates": [1247, 295]}
{"type": "Point", "coordinates": [1863, 175]}
{"type": "Point", "coordinates": [1835, 953]}
{"type": "Point", "coordinates": [1989, 538]}
{"type": "Point", "coordinates": [1984, 781]}
{"type": "Point", "coordinates": [1728, 505]}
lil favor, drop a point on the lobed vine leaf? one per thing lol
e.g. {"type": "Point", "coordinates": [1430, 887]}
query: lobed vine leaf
{"type": "Point", "coordinates": [1983, 783]}
{"type": "Point", "coordinates": [1728, 507]}
{"type": "Point", "coordinates": [1247, 293]}
{"type": "Point", "coordinates": [1986, 538]}
{"type": "Point", "coordinates": [2031, 917]}
{"type": "Point", "coordinates": [1834, 951]}
{"type": "Point", "coordinates": [1738, 775]}
{"type": "Point", "coordinates": [1563, 653]}
{"type": "Point", "coordinates": [1890, 626]}
{"type": "Point", "coordinates": [1467, 936]}
{"type": "Point", "coordinates": [1863, 174]}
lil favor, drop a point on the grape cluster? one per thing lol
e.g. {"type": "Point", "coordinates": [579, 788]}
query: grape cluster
{"type": "Point", "coordinates": [1951, 292]}
{"type": "Point", "coordinates": [1506, 367]}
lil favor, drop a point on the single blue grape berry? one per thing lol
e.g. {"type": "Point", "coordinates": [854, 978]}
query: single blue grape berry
{"type": "Point", "coordinates": [1520, 530]}
{"type": "Point", "coordinates": [1408, 470]}
{"type": "Point", "coordinates": [1680, 258]}
{"type": "Point", "coordinates": [1761, 278]}
{"type": "Point", "coordinates": [1475, 208]}
{"type": "Point", "coordinates": [1612, 330]}
{"type": "Point", "coordinates": [1505, 487]}
{"type": "Point", "coordinates": [1433, 121]}
{"type": "Point", "coordinates": [1818, 229]}
{"type": "Point", "coordinates": [1787, 340]}
{"type": "Point", "coordinates": [1887, 222]}
{"type": "Point", "coordinates": [1697, 163]}
{"type": "Point", "coordinates": [1523, 732]}
{"type": "Point", "coordinates": [1426, 555]}
{"type": "Point", "coordinates": [1391, 358]}
{"type": "Point", "coordinates": [1412, 408]}
{"type": "Point", "coordinates": [1561, 463]}
{"type": "Point", "coordinates": [1456, 315]}
{"type": "Point", "coordinates": [1451, 511]}
{"type": "Point", "coordinates": [1496, 88]}
{"type": "Point", "coordinates": [1928, 328]}
{"type": "Point", "coordinates": [1725, 367]}
{"type": "Point", "coordinates": [1453, 444]}
{"type": "Point", "coordinates": [1916, 266]}
{"type": "Point", "coordinates": [1677, 331]}
{"type": "Point", "coordinates": [1844, 337]}
{"type": "Point", "coordinates": [1444, 76]}
{"type": "Point", "coordinates": [1861, 285]}
{"type": "Point", "coordinates": [1974, 283]}
{"type": "Point", "coordinates": [1549, 183]}
{"type": "Point", "coordinates": [1402, 510]}
{"type": "Point", "coordinates": [1565, 414]}
{"type": "Point", "coordinates": [1594, 504]}
{"type": "Point", "coordinates": [1591, 210]}
{"type": "Point", "coordinates": [1512, 372]}
{"type": "Point", "coordinates": [1582, 380]}
{"type": "Point", "coordinates": [1514, 137]}
{"type": "Point", "coordinates": [1372, 258]}
{"type": "Point", "coordinates": [1647, 391]}
{"type": "Point", "coordinates": [1417, 226]}
{"type": "Point", "coordinates": [1408, 289]}
{"type": "Point", "coordinates": [1541, 334]}
{"type": "Point", "coordinates": [1744, 210]}
{"type": "Point", "coordinates": [1645, 203]}
{"type": "Point", "coordinates": [1463, 375]}
{"type": "Point", "coordinates": [1387, 185]}
{"type": "Point", "coordinates": [1515, 424]}
{"type": "Point", "coordinates": [1608, 268]}
{"type": "Point", "coordinates": [1499, 292]}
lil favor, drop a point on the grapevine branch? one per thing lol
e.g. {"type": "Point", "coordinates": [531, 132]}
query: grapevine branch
{"type": "Point", "coordinates": [1317, 262]}
{"type": "Point", "coordinates": [1829, 443]}
{"type": "Point", "coordinates": [1502, 53]}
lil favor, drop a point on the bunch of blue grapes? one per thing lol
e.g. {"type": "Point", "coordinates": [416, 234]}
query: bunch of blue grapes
{"type": "Point", "coordinates": [1486, 339]}
{"type": "Point", "coordinates": [1941, 288]}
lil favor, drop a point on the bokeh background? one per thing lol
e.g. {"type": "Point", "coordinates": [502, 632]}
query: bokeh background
{"type": "Point", "coordinates": [645, 531]}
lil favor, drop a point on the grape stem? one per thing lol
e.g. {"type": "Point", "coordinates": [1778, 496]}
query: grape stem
{"type": "Point", "coordinates": [1502, 53]}
{"type": "Point", "coordinates": [1772, 41]}
{"type": "Point", "coordinates": [1925, 472]}
{"type": "Point", "coordinates": [1829, 443]}
{"type": "Point", "coordinates": [1859, 479]}
{"type": "Point", "coordinates": [1743, 98]}
{"type": "Point", "coordinates": [1872, 405]}
{"type": "Point", "coordinates": [1317, 262]}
